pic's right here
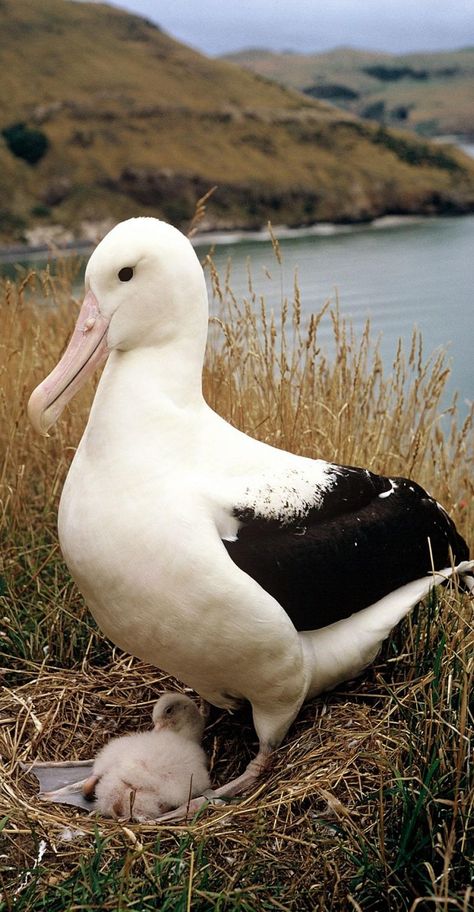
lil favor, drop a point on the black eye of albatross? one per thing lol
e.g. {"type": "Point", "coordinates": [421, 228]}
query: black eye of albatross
{"type": "Point", "coordinates": [126, 274]}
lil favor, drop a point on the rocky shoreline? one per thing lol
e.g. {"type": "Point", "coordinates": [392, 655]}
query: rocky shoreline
{"type": "Point", "coordinates": [60, 242]}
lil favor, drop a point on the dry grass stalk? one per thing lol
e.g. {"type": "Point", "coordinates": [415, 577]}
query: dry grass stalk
{"type": "Point", "coordinates": [371, 795]}
{"type": "Point", "coordinates": [200, 211]}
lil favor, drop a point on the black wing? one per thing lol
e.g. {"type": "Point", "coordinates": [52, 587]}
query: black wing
{"type": "Point", "coordinates": [369, 536]}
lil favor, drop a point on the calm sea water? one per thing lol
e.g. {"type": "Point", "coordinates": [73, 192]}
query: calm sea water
{"type": "Point", "coordinates": [400, 274]}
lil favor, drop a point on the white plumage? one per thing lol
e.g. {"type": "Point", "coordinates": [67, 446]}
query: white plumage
{"type": "Point", "coordinates": [144, 774]}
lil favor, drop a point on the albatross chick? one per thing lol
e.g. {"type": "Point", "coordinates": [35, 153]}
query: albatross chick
{"type": "Point", "coordinates": [145, 774]}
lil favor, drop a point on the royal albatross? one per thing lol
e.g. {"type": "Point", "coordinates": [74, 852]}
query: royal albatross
{"type": "Point", "coordinates": [247, 572]}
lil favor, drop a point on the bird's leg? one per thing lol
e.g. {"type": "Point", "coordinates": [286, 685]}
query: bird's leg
{"type": "Point", "coordinates": [251, 774]}
{"type": "Point", "coordinates": [235, 787]}
{"type": "Point", "coordinates": [274, 711]}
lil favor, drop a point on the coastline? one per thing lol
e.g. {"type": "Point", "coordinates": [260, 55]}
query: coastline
{"type": "Point", "coordinates": [94, 231]}
{"type": "Point", "coordinates": [319, 229]}
{"type": "Point", "coordinates": [19, 252]}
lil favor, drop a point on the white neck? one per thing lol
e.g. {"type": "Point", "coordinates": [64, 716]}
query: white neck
{"type": "Point", "coordinates": [144, 393]}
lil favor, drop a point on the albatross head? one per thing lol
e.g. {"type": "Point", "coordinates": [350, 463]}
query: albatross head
{"type": "Point", "coordinates": [144, 287]}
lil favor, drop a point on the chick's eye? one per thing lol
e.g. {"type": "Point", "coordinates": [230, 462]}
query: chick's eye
{"type": "Point", "coordinates": [126, 274]}
{"type": "Point", "coordinates": [168, 710]}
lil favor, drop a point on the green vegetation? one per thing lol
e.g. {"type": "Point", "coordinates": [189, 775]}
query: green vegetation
{"type": "Point", "coordinates": [434, 89]}
{"type": "Point", "coordinates": [416, 153]}
{"type": "Point", "coordinates": [26, 143]}
{"type": "Point", "coordinates": [331, 91]}
{"type": "Point", "coordinates": [369, 801]}
{"type": "Point", "coordinates": [142, 125]}
{"type": "Point", "coordinates": [394, 73]}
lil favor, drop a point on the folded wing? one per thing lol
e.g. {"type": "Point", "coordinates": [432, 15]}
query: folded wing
{"type": "Point", "coordinates": [357, 540]}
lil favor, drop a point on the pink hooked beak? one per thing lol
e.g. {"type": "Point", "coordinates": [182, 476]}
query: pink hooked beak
{"type": "Point", "coordinates": [86, 350]}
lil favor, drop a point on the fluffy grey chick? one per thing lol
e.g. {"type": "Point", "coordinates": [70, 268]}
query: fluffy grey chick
{"type": "Point", "coordinates": [145, 774]}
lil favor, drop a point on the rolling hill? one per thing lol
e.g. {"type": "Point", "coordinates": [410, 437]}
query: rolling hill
{"type": "Point", "coordinates": [431, 93]}
{"type": "Point", "coordinates": [104, 116]}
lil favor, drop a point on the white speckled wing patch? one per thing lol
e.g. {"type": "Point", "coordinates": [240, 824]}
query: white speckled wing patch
{"type": "Point", "coordinates": [286, 496]}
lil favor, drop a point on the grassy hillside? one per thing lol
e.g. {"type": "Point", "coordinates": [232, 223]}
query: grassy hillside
{"type": "Point", "coordinates": [104, 116]}
{"type": "Point", "coordinates": [431, 93]}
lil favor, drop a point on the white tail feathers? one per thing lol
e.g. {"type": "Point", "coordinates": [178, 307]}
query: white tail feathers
{"type": "Point", "coordinates": [341, 651]}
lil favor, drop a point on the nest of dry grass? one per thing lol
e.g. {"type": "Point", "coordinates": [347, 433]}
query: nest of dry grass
{"type": "Point", "coordinates": [324, 826]}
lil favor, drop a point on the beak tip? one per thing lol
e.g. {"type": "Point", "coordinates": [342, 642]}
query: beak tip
{"type": "Point", "coordinates": [36, 412]}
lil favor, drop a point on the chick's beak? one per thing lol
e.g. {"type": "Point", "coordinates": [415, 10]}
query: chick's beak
{"type": "Point", "coordinates": [86, 350]}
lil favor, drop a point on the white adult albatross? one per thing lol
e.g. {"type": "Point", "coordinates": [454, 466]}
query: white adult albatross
{"type": "Point", "coordinates": [247, 572]}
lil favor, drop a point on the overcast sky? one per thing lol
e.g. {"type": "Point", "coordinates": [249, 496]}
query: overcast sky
{"type": "Point", "coordinates": [219, 26]}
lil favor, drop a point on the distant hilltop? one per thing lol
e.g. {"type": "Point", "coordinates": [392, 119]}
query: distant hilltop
{"type": "Point", "coordinates": [430, 93]}
{"type": "Point", "coordinates": [104, 116]}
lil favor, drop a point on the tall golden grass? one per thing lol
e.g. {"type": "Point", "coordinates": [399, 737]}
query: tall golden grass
{"type": "Point", "coordinates": [369, 804]}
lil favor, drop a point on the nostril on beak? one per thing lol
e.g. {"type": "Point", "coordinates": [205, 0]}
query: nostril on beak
{"type": "Point", "coordinates": [90, 322]}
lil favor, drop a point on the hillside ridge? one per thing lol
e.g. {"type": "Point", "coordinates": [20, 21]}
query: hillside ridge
{"type": "Point", "coordinates": [430, 92]}
{"type": "Point", "coordinates": [132, 122]}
